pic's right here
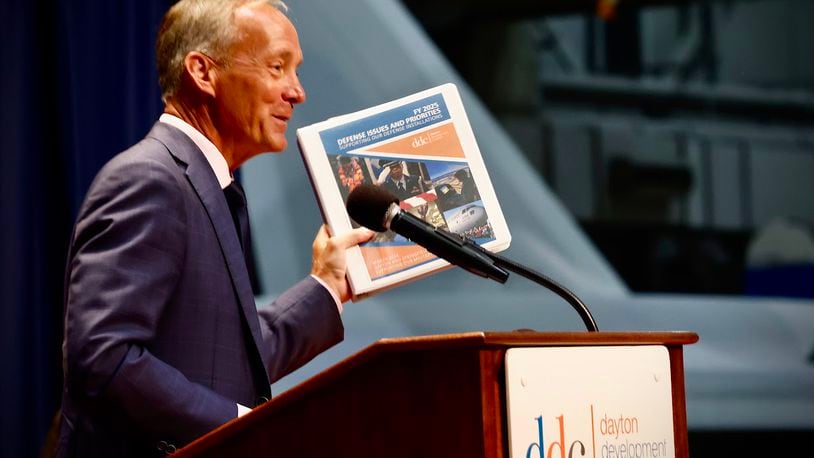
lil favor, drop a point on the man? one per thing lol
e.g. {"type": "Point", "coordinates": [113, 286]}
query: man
{"type": "Point", "coordinates": [163, 341]}
{"type": "Point", "coordinates": [401, 185]}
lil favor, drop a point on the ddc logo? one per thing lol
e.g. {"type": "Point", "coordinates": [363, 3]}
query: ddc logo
{"type": "Point", "coordinates": [420, 141]}
{"type": "Point", "coordinates": [555, 444]}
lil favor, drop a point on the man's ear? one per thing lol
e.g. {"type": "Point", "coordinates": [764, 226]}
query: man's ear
{"type": "Point", "coordinates": [201, 71]}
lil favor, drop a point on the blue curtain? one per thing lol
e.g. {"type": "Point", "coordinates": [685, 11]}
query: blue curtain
{"type": "Point", "coordinates": [78, 86]}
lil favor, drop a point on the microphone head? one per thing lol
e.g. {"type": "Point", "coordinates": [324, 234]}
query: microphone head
{"type": "Point", "coordinates": [368, 204]}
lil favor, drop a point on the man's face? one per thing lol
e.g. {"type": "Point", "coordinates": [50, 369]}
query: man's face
{"type": "Point", "coordinates": [257, 86]}
{"type": "Point", "coordinates": [396, 172]}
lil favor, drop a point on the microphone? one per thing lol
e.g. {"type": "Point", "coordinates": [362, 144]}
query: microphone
{"type": "Point", "coordinates": [378, 210]}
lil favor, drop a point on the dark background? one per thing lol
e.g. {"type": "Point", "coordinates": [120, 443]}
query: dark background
{"type": "Point", "coordinates": [78, 85]}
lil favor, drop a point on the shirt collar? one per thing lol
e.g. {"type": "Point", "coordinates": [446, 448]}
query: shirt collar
{"type": "Point", "coordinates": [209, 150]}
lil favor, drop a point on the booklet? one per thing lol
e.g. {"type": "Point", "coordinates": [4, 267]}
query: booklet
{"type": "Point", "coordinates": [422, 150]}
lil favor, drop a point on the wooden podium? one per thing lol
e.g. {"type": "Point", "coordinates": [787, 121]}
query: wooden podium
{"type": "Point", "coordinates": [415, 397]}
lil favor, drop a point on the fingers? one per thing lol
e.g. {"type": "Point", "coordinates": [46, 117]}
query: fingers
{"type": "Point", "coordinates": [322, 235]}
{"type": "Point", "coordinates": [353, 238]}
{"type": "Point", "coordinates": [344, 241]}
{"type": "Point", "coordinates": [328, 261]}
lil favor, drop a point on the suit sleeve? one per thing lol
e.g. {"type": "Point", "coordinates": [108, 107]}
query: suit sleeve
{"type": "Point", "coordinates": [300, 324]}
{"type": "Point", "coordinates": [126, 255]}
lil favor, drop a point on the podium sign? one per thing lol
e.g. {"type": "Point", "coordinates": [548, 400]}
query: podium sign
{"type": "Point", "coordinates": [597, 402]}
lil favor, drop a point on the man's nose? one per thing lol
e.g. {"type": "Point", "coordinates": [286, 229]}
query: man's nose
{"type": "Point", "coordinates": [295, 93]}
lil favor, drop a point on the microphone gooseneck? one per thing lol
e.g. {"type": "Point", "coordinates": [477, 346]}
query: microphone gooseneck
{"type": "Point", "coordinates": [377, 209]}
{"type": "Point", "coordinates": [565, 293]}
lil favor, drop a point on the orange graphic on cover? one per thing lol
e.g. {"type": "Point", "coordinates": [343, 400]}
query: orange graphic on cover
{"type": "Point", "coordinates": [441, 141]}
{"type": "Point", "coordinates": [386, 260]}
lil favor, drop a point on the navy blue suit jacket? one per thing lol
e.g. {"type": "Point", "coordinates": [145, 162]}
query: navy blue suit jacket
{"type": "Point", "coordinates": [412, 187]}
{"type": "Point", "coordinates": [162, 335]}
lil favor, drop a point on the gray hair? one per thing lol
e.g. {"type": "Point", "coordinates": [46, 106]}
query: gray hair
{"type": "Point", "coordinates": [206, 26]}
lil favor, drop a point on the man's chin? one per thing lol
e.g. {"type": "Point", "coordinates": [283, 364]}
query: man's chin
{"type": "Point", "coordinates": [276, 144]}
{"type": "Point", "coordinates": [272, 146]}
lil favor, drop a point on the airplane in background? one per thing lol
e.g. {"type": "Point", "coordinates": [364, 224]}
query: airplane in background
{"type": "Point", "coordinates": [466, 218]}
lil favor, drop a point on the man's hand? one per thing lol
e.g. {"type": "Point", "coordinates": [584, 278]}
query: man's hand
{"type": "Point", "coordinates": [328, 257]}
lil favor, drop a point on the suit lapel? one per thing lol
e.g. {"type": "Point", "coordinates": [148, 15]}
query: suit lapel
{"type": "Point", "coordinates": [205, 183]}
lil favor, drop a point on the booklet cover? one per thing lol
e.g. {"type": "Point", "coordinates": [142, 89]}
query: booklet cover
{"type": "Point", "coordinates": [422, 150]}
